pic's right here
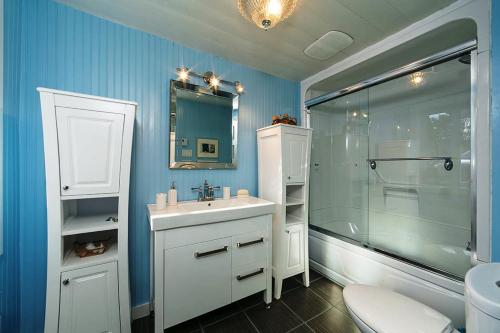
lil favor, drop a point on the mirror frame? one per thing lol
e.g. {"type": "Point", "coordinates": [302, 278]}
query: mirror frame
{"type": "Point", "coordinates": [174, 86]}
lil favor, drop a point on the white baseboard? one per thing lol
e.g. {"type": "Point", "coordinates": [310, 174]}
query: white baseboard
{"type": "Point", "coordinates": [139, 311]}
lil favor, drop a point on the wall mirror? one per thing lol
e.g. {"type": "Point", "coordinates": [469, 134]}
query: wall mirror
{"type": "Point", "coordinates": [203, 127]}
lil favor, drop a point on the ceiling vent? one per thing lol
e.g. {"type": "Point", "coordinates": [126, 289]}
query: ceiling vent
{"type": "Point", "coordinates": [328, 45]}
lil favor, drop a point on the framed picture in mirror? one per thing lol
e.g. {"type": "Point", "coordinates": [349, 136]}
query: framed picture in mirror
{"type": "Point", "coordinates": [208, 148]}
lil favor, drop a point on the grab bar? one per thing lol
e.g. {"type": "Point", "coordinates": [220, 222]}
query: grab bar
{"type": "Point", "coordinates": [448, 163]}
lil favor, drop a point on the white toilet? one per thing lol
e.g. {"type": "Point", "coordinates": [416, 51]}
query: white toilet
{"type": "Point", "coordinates": [379, 310]}
{"type": "Point", "coordinates": [482, 293]}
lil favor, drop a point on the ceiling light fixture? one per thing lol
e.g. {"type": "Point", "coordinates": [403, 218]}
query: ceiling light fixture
{"type": "Point", "coordinates": [266, 13]}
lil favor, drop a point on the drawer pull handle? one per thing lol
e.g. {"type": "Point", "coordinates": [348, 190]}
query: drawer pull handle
{"type": "Point", "coordinates": [257, 241]}
{"type": "Point", "coordinates": [243, 277]}
{"type": "Point", "coordinates": [209, 253]}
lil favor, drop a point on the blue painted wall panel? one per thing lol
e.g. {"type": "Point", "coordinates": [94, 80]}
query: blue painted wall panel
{"type": "Point", "coordinates": [63, 48]}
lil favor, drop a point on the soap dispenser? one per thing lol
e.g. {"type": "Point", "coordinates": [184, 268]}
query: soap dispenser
{"type": "Point", "coordinates": [172, 195]}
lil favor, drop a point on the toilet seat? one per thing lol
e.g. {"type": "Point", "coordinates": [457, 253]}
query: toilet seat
{"type": "Point", "coordinates": [359, 323]}
{"type": "Point", "coordinates": [380, 310]}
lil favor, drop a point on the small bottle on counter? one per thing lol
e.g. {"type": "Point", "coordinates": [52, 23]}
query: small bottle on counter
{"type": "Point", "coordinates": [226, 194]}
{"type": "Point", "coordinates": [172, 195]}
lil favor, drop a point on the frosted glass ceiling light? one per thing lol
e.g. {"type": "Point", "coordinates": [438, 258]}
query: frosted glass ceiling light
{"type": "Point", "coordinates": [266, 13]}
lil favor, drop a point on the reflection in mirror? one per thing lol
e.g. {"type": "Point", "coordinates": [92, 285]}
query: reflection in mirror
{"type": "Point", "coordinates": [203, 127]}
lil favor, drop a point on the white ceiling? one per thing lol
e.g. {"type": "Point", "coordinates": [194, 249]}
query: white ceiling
{"type": "Point", "coordinates": [216, 26]}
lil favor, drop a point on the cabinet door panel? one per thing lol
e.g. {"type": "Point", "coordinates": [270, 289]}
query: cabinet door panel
{"type": "Point", "coordinates": [295, 158]}
{"type": "Point", "coordinates": [295, 249]}
{"type": "Point", "coordinates": [89, 300]}
{"type": "Point", "coordinates": [90, 144]}
{"type": "Point", "coordinates": [196, 284]}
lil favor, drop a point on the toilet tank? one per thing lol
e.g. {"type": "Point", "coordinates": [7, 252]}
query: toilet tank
{"type": "Point", "coordinates": [482, 299]}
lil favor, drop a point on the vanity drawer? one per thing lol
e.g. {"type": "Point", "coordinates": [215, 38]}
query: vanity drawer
{"type": "Point", "coordinates": [248, 279]}
{"type": "Point", "coordinates": [250, 247]}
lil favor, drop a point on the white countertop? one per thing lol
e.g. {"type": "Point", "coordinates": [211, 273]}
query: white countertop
{"type": "Point", "coordinates": [190, 213]}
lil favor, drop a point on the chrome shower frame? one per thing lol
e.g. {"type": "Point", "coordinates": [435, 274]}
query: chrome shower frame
{"type": "Point", "coordinates": [469, 47]}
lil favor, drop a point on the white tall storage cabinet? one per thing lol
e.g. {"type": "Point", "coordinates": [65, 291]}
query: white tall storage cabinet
{"type": "Point", "coordinates": [88, 143]}
{"type": "Point", "coordinates": [284, 156]}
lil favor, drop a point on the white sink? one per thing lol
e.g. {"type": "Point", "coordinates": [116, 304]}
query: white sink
{"type": "Point", "coordinates": [189, 213]}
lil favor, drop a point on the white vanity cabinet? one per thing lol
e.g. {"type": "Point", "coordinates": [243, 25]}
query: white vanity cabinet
{"type": "Point", "coordinates": [205, 258]}
{"type": "Point", "coordinates": [90, 145]}
{"type": "Point", "coordinates": [88, 300]}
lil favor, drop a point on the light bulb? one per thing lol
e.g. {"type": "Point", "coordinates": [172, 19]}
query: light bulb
{"type": "Point", "coordinates": [239, 87]}
{"type": "Point", "coordinates": [183, 74]}
{"type": "Point", "coordinates": [274, 8]}
{"type": "Point", "coordinates": [214, 82]}
{"type": "Point", "coordinates": [416, 79]}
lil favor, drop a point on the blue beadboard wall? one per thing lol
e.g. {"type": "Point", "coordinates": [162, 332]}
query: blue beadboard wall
{"type": "Point", "coordinates": [9, 261]}
{"type": "Point", "coordinates": [63, 48]}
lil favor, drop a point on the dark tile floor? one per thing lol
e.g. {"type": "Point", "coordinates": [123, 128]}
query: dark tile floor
{"type": "Point", "coordinates": [319, 308]}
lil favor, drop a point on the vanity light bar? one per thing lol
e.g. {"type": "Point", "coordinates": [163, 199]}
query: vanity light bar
{"type": "Point", "coordinates": [210, 79]}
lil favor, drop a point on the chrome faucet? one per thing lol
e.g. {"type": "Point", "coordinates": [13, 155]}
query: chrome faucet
{"type": "Point", "coordinates": [205, 192]}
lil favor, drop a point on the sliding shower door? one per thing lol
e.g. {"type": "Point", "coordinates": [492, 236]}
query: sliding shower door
{"type": "Point", "coordinates": [418, 209]}
{"type": "Point", "coordinates": [339, 177]}
{"type": "Point", "coordinates": [391, 167]}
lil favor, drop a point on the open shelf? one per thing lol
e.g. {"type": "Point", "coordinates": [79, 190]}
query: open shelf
{"type": "Point", "coordinates": [291, 201]}
{"type": "Point", "coordinates": [295, 214]}
{"type": "Point", "coordinates": [90, 223]}
{"type": "Point", "coordinates": [89, 215]}
{"type": "Point", "coordinates": [294, 195]}
{"type": "Point", "coordinates": [73, 261]}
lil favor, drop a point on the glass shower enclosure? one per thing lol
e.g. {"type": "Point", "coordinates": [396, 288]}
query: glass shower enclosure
{"type": "Point", "coordinates": [391, 167]}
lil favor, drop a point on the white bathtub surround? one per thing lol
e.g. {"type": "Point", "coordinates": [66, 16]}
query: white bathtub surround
{"type": "Point", "coordinates": [207, 255]}
{"type": "Point", "coordinates": [88, 144]}
{"type": "Point", "coordinates": [284, 154]}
